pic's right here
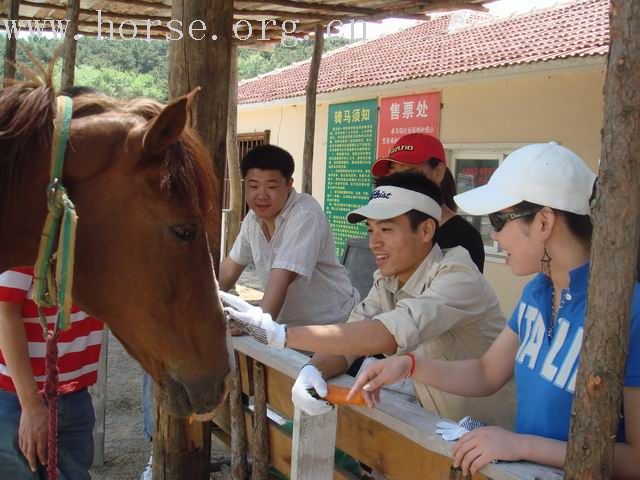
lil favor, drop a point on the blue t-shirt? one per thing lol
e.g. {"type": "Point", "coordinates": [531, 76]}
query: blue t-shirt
{"type": "Point", "coordinates": [545, 370]}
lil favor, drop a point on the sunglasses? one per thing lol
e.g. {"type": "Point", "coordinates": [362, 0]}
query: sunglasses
{"type": "Point", "coordinates": [499, 220]}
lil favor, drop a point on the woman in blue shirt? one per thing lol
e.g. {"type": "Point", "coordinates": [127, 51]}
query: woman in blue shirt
{"type": "Point", "coordinates": [538, 204]}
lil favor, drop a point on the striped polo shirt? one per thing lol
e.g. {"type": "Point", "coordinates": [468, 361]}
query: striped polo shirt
{"type": "Point", "coordinates": [78, 346]}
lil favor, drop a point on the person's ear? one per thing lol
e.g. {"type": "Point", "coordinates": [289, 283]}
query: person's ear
{"type": "Point", "coordinates": [428, 230]}
{"type": "Point", "coordinates": [547, 218]}
{"type": "Point", "coordinates": [290, 183]}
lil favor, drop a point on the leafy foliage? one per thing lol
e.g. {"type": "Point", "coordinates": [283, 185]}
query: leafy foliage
{"type": "Point", "coordinates": [134, 68]}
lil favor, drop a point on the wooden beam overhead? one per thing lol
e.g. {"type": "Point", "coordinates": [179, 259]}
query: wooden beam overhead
{"type": "Point", "coordinates": [285, 14]}
{"type": "Point", "coordinates": [93, 13]}
{"type": "Point", "coordinates": [308, 14]}
{"type": "Point", "coordinates": [322, 7]}
{"type": "Point", "coordinates": [143, 3]}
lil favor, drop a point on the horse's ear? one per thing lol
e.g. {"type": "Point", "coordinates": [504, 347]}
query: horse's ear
{"type": "Point", "coordinates": [166, 128]}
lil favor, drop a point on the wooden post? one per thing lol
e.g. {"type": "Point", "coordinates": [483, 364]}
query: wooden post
{"type": "Point", "coordinates": [206, 63]}
{"type": "Point", "coordinates": [260, 441]}
{"type": "Point", "coordinates": [233, 161]}
{"type": "Point", "coordinates": [182, 449]}
{"type": "Point", "coordinates": [314, 443]}
{"type": "Point", "coordinates": [99, 400]}
{"type": "Point", "coordinates": [238, 431]}
{"type": "Point", "coordinates": [70, 45]}
{"type": "Point", "coordinates": [11, 43]}
{"type": "Point", "coordinates": [596, 406]}
{"type": "Point", "coordinates": [310, 112]}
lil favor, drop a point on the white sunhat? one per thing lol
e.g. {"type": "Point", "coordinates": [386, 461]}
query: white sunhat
{"type": "Point", "coordinates": [546, 174]}
{"type": "Point", "coordinates": [388, 202]}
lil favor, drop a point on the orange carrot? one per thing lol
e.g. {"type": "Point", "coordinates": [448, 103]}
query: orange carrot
{"type": "Point", "coordinates": [338, 396]}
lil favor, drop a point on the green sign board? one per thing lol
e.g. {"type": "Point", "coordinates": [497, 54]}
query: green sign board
{"type": "Point", "coordinates": [351, 148]}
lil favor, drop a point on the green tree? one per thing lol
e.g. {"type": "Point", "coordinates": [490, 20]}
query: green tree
{"type": "Point", "coordinates": [141, 67]}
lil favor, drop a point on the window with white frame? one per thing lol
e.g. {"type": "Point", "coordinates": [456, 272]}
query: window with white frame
{"type": "Point", "coordinates": [472, 165]}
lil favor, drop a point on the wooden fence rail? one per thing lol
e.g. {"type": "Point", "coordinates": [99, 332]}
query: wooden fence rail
{"type": "Point", "coordinates": [398, 439]}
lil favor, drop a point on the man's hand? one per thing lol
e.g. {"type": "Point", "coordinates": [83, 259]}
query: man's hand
{"type": "Point", "coordinates": [259, 325]}
{"type": "Point", "coordinates": [32, 433]}
{"type": "Point", "coordinates": [310, 378]}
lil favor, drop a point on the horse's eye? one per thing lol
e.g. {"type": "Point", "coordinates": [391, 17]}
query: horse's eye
{"type": "Point", "coordinates": [185, 233]}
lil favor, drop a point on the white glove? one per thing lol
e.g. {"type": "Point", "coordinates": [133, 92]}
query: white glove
{"type": "Point", "coordinates": [234, 302]}
{"type": "Point", "coordinates": [310, 378]}
{"type": "Point", "coordinates": [259, 325]}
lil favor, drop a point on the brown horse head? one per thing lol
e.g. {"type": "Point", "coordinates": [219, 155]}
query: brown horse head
{"type": "Point", "coordinates": [146, 198]}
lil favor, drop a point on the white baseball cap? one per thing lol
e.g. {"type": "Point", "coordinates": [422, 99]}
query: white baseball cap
{"type": "Point", "coordinates": [546, 174]}
{"type": "Point", "coordinates": [388, 202]}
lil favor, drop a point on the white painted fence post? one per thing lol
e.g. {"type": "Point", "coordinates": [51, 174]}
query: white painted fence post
{"type": "Point", "coordinates": [314, 443]}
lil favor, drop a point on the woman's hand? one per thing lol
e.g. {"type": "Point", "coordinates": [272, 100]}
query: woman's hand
{"type": "Point", "coordinates": [378, 374]}
{"type": "Point", "coordinates": [484, 445]}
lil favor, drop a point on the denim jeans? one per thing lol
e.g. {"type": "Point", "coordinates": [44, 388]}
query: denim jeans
{"type": "Point", "coordinates": [75, 438]}
{"type": "Point", "coordinates": [147, 405]}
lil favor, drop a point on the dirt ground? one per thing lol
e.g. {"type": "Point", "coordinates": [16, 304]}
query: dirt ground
{"type": "Point", "coordinates": [126, 451]}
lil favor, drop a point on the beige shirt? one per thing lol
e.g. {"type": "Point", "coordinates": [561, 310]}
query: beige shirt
{"type": "Point", "coordinates": [446, 310]}
{"type": "Point", "coordinates": [303, 243]}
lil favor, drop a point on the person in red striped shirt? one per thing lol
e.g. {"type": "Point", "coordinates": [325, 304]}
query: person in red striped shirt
{"type": "Point", "coordinates": [23, 410]}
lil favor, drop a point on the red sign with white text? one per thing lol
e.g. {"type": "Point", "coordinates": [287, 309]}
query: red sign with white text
{"type": "Point", "coordinates": [400, 116]}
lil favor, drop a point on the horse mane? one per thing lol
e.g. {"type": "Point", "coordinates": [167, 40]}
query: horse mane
{"type": "Point", "coordinates": [27, 111]}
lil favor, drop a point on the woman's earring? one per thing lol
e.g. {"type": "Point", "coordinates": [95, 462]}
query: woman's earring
{"type": "Point", "coordinates": [545, 263]}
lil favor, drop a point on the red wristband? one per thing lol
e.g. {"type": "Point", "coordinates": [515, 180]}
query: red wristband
{"type": "Point", "coordinates": [413, 364]}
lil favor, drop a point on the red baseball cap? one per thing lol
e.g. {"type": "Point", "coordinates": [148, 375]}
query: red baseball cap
{"type": "Point", "coordinates": [412, 149]}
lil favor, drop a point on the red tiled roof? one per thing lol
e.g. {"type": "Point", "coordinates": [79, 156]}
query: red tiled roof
{"type": "Point", "coordinates": [577, 29]}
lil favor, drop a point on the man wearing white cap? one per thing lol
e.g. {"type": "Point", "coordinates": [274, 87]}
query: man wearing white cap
{"type": "Point", "coordinates": [423, 299]}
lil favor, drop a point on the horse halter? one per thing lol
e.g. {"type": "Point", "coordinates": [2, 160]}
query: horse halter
{"type": "Point", "coordinates": [55, 290]}
{"type": "Point", "coordinates": [50, 290]}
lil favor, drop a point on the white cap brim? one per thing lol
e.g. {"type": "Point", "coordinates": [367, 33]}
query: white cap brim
{"type": "Point", "coordinates": [377, 212]}
{"type": "Point", "coordinates": [388, 202]}
{"type": "Point", "coordinates": [484, 200]}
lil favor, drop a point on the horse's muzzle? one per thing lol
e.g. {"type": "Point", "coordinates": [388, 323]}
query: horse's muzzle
{"type": "Point", "coordinates": [202, 398]}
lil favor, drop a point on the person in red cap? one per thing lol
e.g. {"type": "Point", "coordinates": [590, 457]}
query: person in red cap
{"type": "Point", "coordinates": [425, 153]}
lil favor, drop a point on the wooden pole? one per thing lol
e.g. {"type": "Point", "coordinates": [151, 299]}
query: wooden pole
{"type": "Point", "coordinates": [206, 63]}
{"type": "Point", "coordinates": [234, 215]}
{"type": "Point", "coordinates": [260, 441]}
{"type": "Point", "coordinates": [310, 112]}
{"type": "Point", "coordinates": [99, 400]}
{"type": "Point", "coordinates": [182, 449]}
{"type": "Point", "coordinates": [13, 13]}
{"type": "Point", "coordinates": [596, 407]}
{"type": "Point", "coordinates": [238, 430]}
{"type": "Point", "coordinates": [70, 45]}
